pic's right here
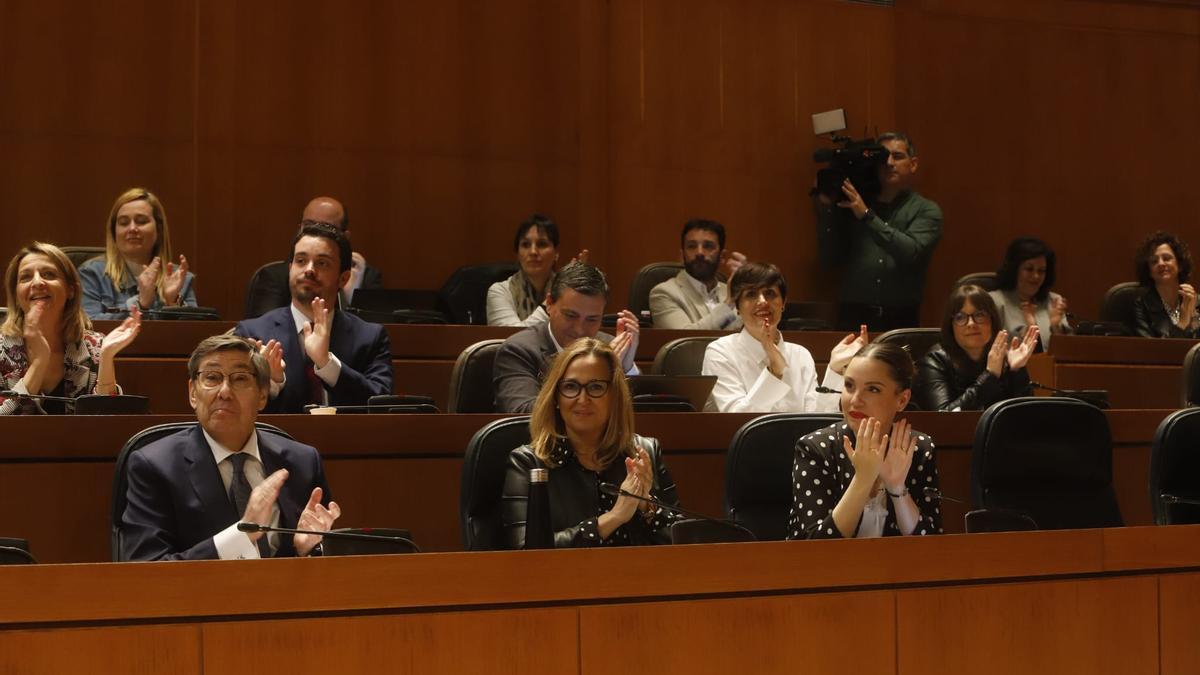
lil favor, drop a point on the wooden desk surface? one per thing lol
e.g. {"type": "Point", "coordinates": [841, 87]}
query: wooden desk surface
{"type": "Point", "coordinates": [1082, 601]}
{"type": "Point", "coordinates": [404, 470]}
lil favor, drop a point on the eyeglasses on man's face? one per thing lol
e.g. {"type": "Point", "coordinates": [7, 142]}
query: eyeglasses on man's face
{"type": "Point", "coordinates": [213, 379]}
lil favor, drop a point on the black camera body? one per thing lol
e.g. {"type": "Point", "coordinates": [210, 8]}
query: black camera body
{"type": "Point", "coordinates": [859, 161]}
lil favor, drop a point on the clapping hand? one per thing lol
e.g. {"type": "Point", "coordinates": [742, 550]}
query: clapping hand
{"type": "Point", "coordinates": [628, 331]}
{"type": "Point", "coordinates": [1058, 311]}
{"type": "Point", "coordinates": [996, 355]}
{"type": "Point", "coordinates": [147, 283]}
{"type": "Point", "coordinates": [272, 351]}
{"type": "Point", "coordinates": [1187, 305]}
{"type": "Point", "coordinates": [581, 257]}
{"type": "Point", "coordinates": [173, 283]}
{"type": "Point", "coordinates": [868, 450]}
{"type": "Point", "coordinates": [775, 361]}
{"type": "Point", "coordinates": [842, 352]}
{"type": "Point", "coordinates": [314, 517]}
{"type": "Point", "coordinates": [899, 457]}
{"type": "Point", "coordinates": [316, 334]}
{"type": "Point", "coordinates": [1021, 349]}
{"type": "Point", "coordinates": [731, 262]}
{"type": "Point", "coordinates": [123, 335]}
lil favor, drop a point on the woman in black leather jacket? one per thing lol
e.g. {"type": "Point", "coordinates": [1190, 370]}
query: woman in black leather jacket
{"type": "Point", "coordinates": [1167, 306]}
{"type": "Point", "coordinates": [582, 431]}
{"type": "Point", "coordinates": [974, 366]}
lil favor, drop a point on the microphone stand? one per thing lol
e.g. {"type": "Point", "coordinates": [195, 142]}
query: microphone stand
{"type": "Point", "coordinates": [330, 534]}
{"type": "Point", "coordinates": [615, 490]}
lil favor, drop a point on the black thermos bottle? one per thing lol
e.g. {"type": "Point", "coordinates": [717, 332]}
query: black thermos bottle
{"type": "Point", "coordinates": [537, 517]}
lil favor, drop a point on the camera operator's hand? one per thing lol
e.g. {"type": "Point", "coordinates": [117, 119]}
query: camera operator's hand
{"type": "Point", "coordinates": [854, 201]}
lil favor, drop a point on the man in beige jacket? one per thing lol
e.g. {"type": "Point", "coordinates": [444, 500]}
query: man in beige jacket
{"type": "Point", "coordinates": [696, 298]}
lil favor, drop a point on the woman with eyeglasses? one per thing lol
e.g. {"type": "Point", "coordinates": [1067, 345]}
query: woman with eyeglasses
{"type": "Point", "coordinates": [975, 364]}
{"type": "Point", "coordinates": [757, 370]}
{"type": "Point", "coordinates": [136, 270]}
{"type": "Point", "coordinates": [581, 430]}
{"type": "Point", "coordinates": [47, 346]}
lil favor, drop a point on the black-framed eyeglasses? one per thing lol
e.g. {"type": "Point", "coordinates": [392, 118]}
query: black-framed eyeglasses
{"type": "Point", "coordinates": [960, 318]}
{"type": "Point", "coordinates": [594, 388]}
{"type": "Point", "coordinates": [213, 379]}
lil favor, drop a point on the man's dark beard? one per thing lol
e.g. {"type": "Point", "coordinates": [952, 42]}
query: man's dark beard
{"type": "Point", "coordinates": [701, 269]}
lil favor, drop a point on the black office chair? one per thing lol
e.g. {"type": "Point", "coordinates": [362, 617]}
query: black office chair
{"type": "Point", "coordinates": [1191, 377]}
{"type": "Point", "coordinates": [681, 356]}
{"type": "Point", "coordinates": [1117, 306]}
{"type": "Point", "coordinates": [463, 298]}
{"type": "Point", "coordinates": [1175, 469]}
{"type": "Point", "coordinates": [268, 289]}
{"type": "Point", "coordinates": [1049, 457]}
{"type": "Point", "coordinates": [121, 482]}
{"type": "Point", "coordinates": [758, 470]}
{"type": "Point", "coordinates": [984, 280]}
{"type": "Point", "coordinates": [646, 279]}
{"type": "Point", "coordinates": [483, 471]}
{"type": "Point", "coordinates": [14, 551]}
{"type": "Point", "coordinates": [81, 254]}
{"type": "Point", "coordinates": [918, 341]}
{"type": "Point", "coordinates": [471, 388]}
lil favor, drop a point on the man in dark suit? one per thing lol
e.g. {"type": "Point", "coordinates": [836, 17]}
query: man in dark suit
{"type": "Point", "coordinates": [273, 288]}
{"type": "Point", "coordinates": [187, 492]}
{"type": "Point", "coordinates": [575, 307]}
{"type": "Point", "coordinates": [317, 353]}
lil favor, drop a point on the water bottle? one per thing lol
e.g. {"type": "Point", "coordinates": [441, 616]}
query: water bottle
{"type": "Point", "coordinates": [537, 517]}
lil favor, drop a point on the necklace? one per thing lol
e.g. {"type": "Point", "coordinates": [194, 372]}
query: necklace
{"type": "Point", "coordinates": [1173, 312]}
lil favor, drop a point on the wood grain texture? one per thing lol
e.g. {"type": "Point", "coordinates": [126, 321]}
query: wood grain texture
{"type": "Point", "coordinates": [784, 635]}
{"type": "Point", "coordinates": [1178, 597]}
{"type": "Point", "coordinates": [1031, 627]}
{"type": "Point", "coordinates": [138, 650]}
{"type": "Point", "coordinates": [450, 643]}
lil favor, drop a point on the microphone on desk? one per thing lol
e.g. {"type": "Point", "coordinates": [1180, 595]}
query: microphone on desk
{"type": "Point", "coordinates": [940, 496]}
{"type": "Point", "coordinates": [1169, 498]}
{"type": "Point", "coordinates": [827, 390]}
{"type": "Point", "coordinates": [741, 533]}
{"type": "Point", "coordinates": [1096, 397]}
{"type": "Point", "coordinates": [9, 393]}
{"type": "Point", "coordinates": [329, 534]}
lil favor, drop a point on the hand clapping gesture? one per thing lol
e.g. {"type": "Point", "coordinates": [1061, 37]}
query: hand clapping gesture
{"type": "Point", "coordinates": [731, 261]}
{"type": "Point", "coordinates": [316, 334]}
{"type": "Point", "coordinates": [1187, 305]}
{"type": "Point", "coordinates": [147, 283]}
{"type": "Point", "coordinates": [1058, 312]}
{"type": "Point", "coordinates": [996, 355]}
{"type": "Point", "coordinates": [122, 336]}
{"type": "Point", "coordinates": [636, 482]}
{"type": "Point", "coordinates": [272, 351]}
{"type": "Point", "coordinates": [1021, 349]}
{"type": "Point", "coordinates": [775, 361]}
{"type": "Point", "coordinates": [173, 283]}
{"type": "Point", "coordinates": [895, 466]}
{"type": "Point", "coordinates": [314, 517]}
{"type": "Point", "coordinates": [867, 452]}
{"type": "Point", "coordinates": [626, 342]}
{"type": "Point", "coordinates": [842, 352]}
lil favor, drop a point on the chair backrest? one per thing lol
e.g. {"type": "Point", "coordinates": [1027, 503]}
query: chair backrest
{"type": "Point", "coordinates": [1050, 457]}
{"type": "Point", "coordinates": [121, 481]}
{"type": "Point", "coordinates": [268, 289]}
{"type": "Point", "coordinates": [471, 378]}
{"type": "Point", "coordinates": [1175, 468]}
{"type": "Point", "coordinates": [483, 471]}
{"type": "Point", "coordinates": [918, 340]}
{"type": "Point", "coordinates": [463, 297]}
{"type": "Point", "coordinates": [1117, 306]}
{"type": "Point", "coordinates": [15, 551]}
{"type": "Point", "coordinates": [758, 470]}
{"type": "Point", "coordinates": [81, 254]}
{"type": "Point", "coordinates": [681, 356]}
{"type": "Point", "coordinates": [647, 278]}
{"type": "Point", "coordinates": [985, 280]}
{"type": "Point", "coordinates": [1191, 376]}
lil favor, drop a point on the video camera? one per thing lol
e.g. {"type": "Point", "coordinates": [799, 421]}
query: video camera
{"type": "Point", "coordinates": [858, 160]}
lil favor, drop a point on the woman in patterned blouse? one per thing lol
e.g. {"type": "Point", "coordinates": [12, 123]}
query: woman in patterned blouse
{"type": "Point", "coordinates": [582, 431]}
{"type": "Point", "coordinates": [46, 345]}
{"type": "Point", "coordinates": [869, 475]}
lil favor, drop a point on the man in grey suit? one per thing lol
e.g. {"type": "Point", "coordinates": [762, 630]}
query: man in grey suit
{"type": "Point", "coordinates": [575, 306]}
{"type": "Point", "coordinates": [695, 298]}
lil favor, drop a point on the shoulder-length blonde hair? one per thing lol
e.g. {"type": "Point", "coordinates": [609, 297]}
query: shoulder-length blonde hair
{"type": "Point", "coordinates": [114, 264]}
{"type": "Point", "coordinates": [546, 425]}
{"type": "Point", "coordinates": [74, 321]}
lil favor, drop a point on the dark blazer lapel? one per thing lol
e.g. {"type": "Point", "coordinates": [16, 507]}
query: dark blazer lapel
{"type": "Point", "coordinates": [271, 455]}
{"type": "Point", "coordinates": [206, 481]}
{"type": "Point", "coordinates": [295, 389]}
{"type": "Point", "coordinates": [546, 345]}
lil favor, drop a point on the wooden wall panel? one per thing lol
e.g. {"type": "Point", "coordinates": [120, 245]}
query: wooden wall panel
{"type": "Point", "coordinates": [466, 642]}
{"type": "Point", "coordinates": [1072, 121]}
{"type": "Point", "coordinates": [140, 650]}
{"type": "Point", "coordinates": [799, 633]}
{"type": "Point", "coordinates": [1178, 598]}
{"type": "Point", "coordinates": [1011, 628]}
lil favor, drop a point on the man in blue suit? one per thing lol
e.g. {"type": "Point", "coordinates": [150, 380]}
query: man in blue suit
{"type": "Point", "coordinates": [188, 491]}
{"type": "Point", "coordinates": [318, 354]}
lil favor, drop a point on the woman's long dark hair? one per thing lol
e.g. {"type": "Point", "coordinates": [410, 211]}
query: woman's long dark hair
{"type": "Point", "coordinates": [982, 302]}
{"type": "Point", "coordinates": [1020, 250]}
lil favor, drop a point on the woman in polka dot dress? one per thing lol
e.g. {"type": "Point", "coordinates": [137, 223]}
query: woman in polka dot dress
{"type": "Point", "coordinates": [869, 475]}
{"type": "Point", "coordinates": [582, 431]}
